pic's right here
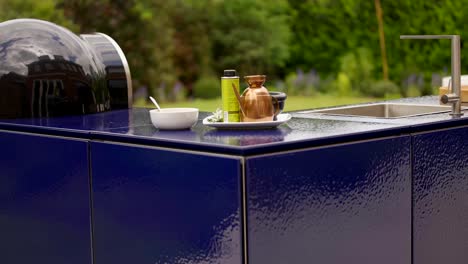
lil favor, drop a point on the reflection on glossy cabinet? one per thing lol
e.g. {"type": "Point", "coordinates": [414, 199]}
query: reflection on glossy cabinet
{"type": "Point", "coordinates": [44, 200]}
{"type": "Point", "coordinates": [441, 197]}
{"type": "Point", "coordinates": [340, 204]}
{"type": "Point", "coordinates": [163, 206]}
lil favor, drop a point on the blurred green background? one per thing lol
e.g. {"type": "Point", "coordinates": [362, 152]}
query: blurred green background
{"type": "Point", "coordinates": [320, 52]}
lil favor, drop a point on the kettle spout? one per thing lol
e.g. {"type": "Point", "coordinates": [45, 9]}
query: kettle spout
{"type": "Point", "coordinates": [238, 97]}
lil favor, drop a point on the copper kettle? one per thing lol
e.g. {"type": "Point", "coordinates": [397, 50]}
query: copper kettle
{"type": "Point", "coordinates": [256, 104]}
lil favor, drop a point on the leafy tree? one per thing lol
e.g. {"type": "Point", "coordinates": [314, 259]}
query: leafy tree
{"type": "Point", "coordinates": [193, 58]}
{"type": "Point", "coordinates": [378, 12]}
{"type": "Point", "coordinates": [421, 17]}
{"type": "Point", "coordinates": [325, 30]}
{"type": "Point", "coordinates": [45, 10]}
{"type": "Point", "coordinates": [142, 28]}
{"type": "Point", "coordinates": [168, 42]}
{"type": "Point", "coordinates": [251, 36]}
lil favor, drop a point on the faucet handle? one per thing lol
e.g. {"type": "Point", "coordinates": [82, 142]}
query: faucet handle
{"type": "Point", "coordinates": [449, 98]}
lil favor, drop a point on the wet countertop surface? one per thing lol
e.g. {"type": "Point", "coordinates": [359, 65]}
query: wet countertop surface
{"type": "Point", "coordinates": [303, 130]}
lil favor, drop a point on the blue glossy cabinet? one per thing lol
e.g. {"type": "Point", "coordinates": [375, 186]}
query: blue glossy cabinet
{"type": "Point", "coordinates": [154, 205]}
{"type": "Point", "coordinates": [441, 197]}
{"type": "Point", "coordinates": [338, 204]}
{"type": "Point", "coordinates": [401, 199]}
{"type": "Point", "coordinates": [44, 200]}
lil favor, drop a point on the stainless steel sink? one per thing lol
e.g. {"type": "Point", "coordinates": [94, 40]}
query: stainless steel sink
{"type": "Point", "coordinates": [382, 110]}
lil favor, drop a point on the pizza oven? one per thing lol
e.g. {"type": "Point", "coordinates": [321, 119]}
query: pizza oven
{"type": "Point", "coordinates": [46, 70]}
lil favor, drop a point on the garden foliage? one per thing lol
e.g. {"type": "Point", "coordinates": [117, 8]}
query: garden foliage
{"type": "Point", "coordinates": [304, 46]}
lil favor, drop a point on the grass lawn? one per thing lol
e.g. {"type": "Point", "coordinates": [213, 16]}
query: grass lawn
{"type": "Point", "coordinates": [292, 102]}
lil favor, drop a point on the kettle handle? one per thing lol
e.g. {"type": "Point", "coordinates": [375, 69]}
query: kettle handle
{"type": "Point", "coordinates": [277, 111]}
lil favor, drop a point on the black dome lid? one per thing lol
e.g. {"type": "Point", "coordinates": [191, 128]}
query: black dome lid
{"type": "Point", "coordinates": [46, 70]}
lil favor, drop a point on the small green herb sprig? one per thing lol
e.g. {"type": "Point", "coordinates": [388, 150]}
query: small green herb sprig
{"type": "Point", "coordinates": [217, 116]}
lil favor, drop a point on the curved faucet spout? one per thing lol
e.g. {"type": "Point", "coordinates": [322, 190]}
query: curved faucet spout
{"type": "Point", "coordinates": [455, 96]}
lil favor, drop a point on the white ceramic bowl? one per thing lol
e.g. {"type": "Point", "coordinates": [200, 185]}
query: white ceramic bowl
{"type": "Point", "coordinates": [174, 118]}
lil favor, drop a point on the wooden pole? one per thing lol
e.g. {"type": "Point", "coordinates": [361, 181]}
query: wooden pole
{"type": "Point", "coordinates": [378, 12]}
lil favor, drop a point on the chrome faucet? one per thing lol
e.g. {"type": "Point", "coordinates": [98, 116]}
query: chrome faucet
{"type": "Point", "coordinates": [455, 96]}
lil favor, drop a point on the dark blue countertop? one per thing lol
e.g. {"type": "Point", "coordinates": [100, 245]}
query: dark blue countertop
{"type": "Point", "coordinates": [134, 126]}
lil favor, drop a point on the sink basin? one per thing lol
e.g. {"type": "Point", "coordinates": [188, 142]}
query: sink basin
{"type": "Point", "coordinates": [383, 110]}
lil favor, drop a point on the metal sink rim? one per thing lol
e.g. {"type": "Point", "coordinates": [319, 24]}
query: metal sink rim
{"type": "Point", "coordinates": [434, 109]}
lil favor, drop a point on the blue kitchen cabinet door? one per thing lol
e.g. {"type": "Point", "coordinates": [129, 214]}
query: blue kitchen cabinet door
{"type": "Point", "coordinates": [44, 200]}
{"type": "Point", "coordinates": [332, 205]}
{"type": "Point", "coordinates": [162, 206]}
{"type": "Point", "coordinates": [441, 197]}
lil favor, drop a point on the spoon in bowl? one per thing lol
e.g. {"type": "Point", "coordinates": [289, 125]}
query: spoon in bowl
{"type": "Point", "coordinates": [155, 103]}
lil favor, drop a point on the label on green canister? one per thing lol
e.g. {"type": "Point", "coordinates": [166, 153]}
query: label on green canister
{"type": "Point", "coordinates": [230, 103]}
